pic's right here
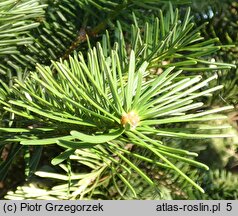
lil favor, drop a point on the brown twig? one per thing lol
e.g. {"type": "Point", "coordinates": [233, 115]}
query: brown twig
{"type": "Point", "coordinates": [83, 33]}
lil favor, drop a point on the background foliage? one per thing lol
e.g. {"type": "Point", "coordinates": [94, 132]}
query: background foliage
{"type": "Point", "coordinates": [71, 66]}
